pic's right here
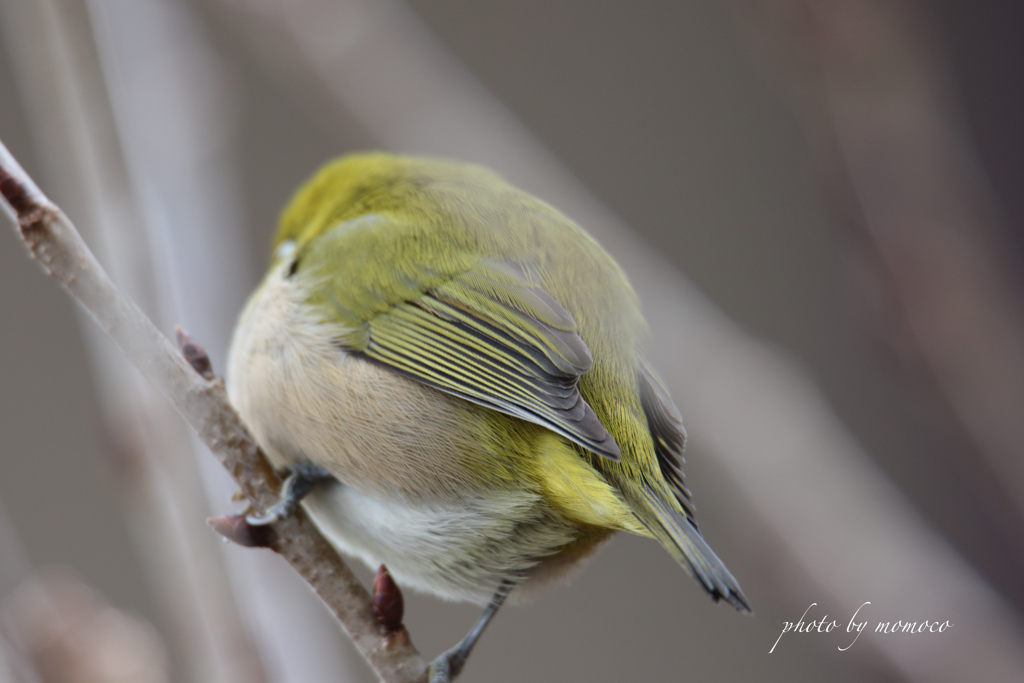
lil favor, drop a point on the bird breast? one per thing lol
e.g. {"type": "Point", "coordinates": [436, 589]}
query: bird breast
{"type": "Point", "coordinates": [305, 398]}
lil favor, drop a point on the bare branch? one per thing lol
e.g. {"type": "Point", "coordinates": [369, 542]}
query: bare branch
{"type": "Point", "coordinates": [54, 243]}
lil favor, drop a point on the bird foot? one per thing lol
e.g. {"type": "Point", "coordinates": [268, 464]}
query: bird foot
{"type": "Point", "coordinates": [302, 478]}
{"type": "Point", "coordinates": [445, 668]}
{"type": "Point", "coordinates": [448, 665]}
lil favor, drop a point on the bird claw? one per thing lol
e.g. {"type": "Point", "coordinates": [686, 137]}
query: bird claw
{"type": "Point", "coordinates": [274, 513]}
{"type": "Point", "coordinates": [301, 479]}
{"type": "Point", "coordinates": [447, 666]}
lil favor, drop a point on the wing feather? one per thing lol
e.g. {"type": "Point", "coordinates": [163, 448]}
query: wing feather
{"type": "Point", "coordinates": [487, 332]}
{"type": "Point", "coordinates": [666, 425]}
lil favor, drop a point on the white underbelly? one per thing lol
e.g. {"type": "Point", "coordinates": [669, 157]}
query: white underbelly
{"type": "Point", "coordinates": [458, 550]}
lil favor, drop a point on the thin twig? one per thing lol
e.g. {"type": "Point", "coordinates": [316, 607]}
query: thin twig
{"type": "Point", "coordinates": [56, 246]}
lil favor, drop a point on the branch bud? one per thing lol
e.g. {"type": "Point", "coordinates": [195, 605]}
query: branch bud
{"type": "Point", "coordinates": [388, 604]}
{"type": "Point", "coordinates": [194, 353]}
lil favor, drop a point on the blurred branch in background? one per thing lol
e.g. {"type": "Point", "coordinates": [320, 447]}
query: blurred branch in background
{"type": "Point", "coordinates": [55, 629]}
{"type": "Point", "coordinates": [172, 103]}
{"type": "Point", "coordinates": [939, 270]}
{"type": "Point", "coordinates": [15, 569]}
{"type": "Point", "coordinates": [60, 78]}
{"type": "Point", "coordinates": [8, 671]}
{"type": "Point", "coordinates": [759, 415]}
{"type": "Point", "coordinates": [72, 636]}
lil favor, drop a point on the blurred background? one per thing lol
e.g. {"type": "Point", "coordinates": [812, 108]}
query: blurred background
{"type": "Point", "coordinates": [819, 204]}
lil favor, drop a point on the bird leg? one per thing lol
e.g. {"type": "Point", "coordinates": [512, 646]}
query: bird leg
{"type": "Point", "coordinates": [448, 665]}
{"type": "Point", "coordinates": [302, 478]}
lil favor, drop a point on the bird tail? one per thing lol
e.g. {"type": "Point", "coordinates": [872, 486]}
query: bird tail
{"type": "Point", "coordinates": [680, 537]}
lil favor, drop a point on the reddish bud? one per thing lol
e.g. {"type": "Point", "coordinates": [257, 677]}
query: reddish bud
{"type": "Point", "coordinates": [15, 193]}
{"type": "Point", "coordinates": [235, 528]}
{"type": "Point", "coordinates": [388, 605]}
{"type": "Point", "coordinates": [194, 353]}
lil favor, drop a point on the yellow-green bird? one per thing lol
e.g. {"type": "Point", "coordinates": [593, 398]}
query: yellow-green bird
{"type": "Point", "coordinates": [450, 370]}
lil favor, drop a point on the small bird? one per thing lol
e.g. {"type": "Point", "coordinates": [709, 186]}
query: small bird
{"type": "Point", "coordinates": [449, 371]}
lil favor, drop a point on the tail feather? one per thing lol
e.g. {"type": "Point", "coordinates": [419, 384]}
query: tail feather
{"type": "Point", "coordinates": [680, 537]}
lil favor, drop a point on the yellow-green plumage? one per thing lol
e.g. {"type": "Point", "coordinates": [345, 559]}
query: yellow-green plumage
{"type": "Point", "coordinates": [487, 359]}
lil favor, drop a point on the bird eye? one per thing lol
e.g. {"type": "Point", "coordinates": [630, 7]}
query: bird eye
{"type": "Point", "coordinates": [285, 249]}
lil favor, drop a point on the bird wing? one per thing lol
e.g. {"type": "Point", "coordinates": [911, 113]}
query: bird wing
{"type": "Point", "coordinates": [674, 527]}
{"type": "Point", "coordinates": [480, 329]}
{"type": "Point", "coordinates": [666, 425]}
